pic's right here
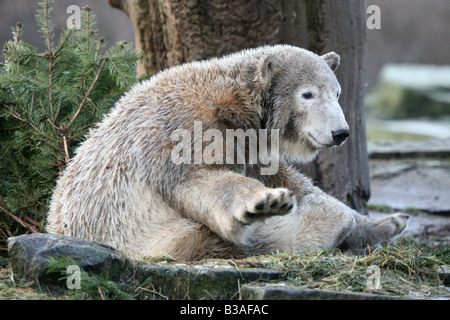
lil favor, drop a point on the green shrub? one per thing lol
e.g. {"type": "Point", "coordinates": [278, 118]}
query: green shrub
{"type": "Point", "coordinates": [48, 102]}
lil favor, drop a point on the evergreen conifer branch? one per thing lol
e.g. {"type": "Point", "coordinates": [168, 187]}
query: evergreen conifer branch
{"type": "Point", "coordinates": [48, 102]}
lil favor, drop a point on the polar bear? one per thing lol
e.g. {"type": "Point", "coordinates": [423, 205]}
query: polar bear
{"type": "Point", "coordinates": [143, 182]}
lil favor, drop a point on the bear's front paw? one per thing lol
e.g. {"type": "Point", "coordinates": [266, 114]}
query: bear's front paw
{"type": "Point", "coordinates": [268, 203]}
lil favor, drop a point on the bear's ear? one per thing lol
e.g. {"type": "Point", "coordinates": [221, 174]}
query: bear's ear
{"type": "Point", "coordinates": [266, 69]}
{"type": "Point", "coordinates": [332, 59]}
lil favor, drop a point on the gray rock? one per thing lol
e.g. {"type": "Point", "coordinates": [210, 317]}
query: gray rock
{"type": "Point", "coordinates": [202, 282]}
{"type": "Point", "coordinates": [277, 292]}
{"type": "Point", "coordinates": [430, 149]}
{"type": "Point", "coordinates": [29, 256]}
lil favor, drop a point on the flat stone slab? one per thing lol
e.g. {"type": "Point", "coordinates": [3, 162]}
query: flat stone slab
{"type": "Point", "coordinates": [432, 148]}
{"type": "Point", "coordinates": [418, 185]}
{"type": "Point", "coordinates": [200, 281]}
{"type": "Point", "coordinates": [282, 292]}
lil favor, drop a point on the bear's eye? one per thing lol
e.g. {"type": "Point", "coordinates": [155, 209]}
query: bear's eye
{"type": "Point", "coordinates": [307, 95]}
{"type": "Point", "coordinates": [337, 95]}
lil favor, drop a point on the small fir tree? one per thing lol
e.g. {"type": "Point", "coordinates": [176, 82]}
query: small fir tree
{"type": "Point", "coordinates": [48, 102]}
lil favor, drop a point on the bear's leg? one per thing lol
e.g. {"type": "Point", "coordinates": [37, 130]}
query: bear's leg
{"type": "Point", "coordinates": [371, 231]}
{"type": "Point", "coordinates": [366, 230]}
{"type": "Point", "coordinates": [228, 203]}
{"type": "Point", "coordinates": [323, 222]}
{"type": "Point", "coordinates": [333, 221]}
{"type": "Point", "coordinates": [315, 225]}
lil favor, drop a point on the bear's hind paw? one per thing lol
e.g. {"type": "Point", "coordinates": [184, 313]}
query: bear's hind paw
{"type": "Point", "coordinates": [400, 222]}
{"type": "Point", "coordinates": [391, 225]}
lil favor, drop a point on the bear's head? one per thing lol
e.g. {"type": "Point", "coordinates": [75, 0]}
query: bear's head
{"type": "Point", "coordinates": [302, 101]}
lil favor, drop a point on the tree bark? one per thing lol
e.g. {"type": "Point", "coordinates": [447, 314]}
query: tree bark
{"type": "Point", "coordinates": [171, 32]}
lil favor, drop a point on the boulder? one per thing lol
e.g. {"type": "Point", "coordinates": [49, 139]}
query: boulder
{"type": "Point", "coordinates": [29, 256]}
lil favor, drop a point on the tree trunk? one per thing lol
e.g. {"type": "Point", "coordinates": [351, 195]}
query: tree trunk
{"type": "Point", "coordinates": [171, 32]}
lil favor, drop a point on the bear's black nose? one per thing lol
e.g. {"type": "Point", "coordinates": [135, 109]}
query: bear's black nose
{"type": "Point", "coordinates": [339, 136]}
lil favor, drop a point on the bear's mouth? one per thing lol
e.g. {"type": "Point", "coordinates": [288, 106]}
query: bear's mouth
{"type": "Point", "coordinates": [318, 144]}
